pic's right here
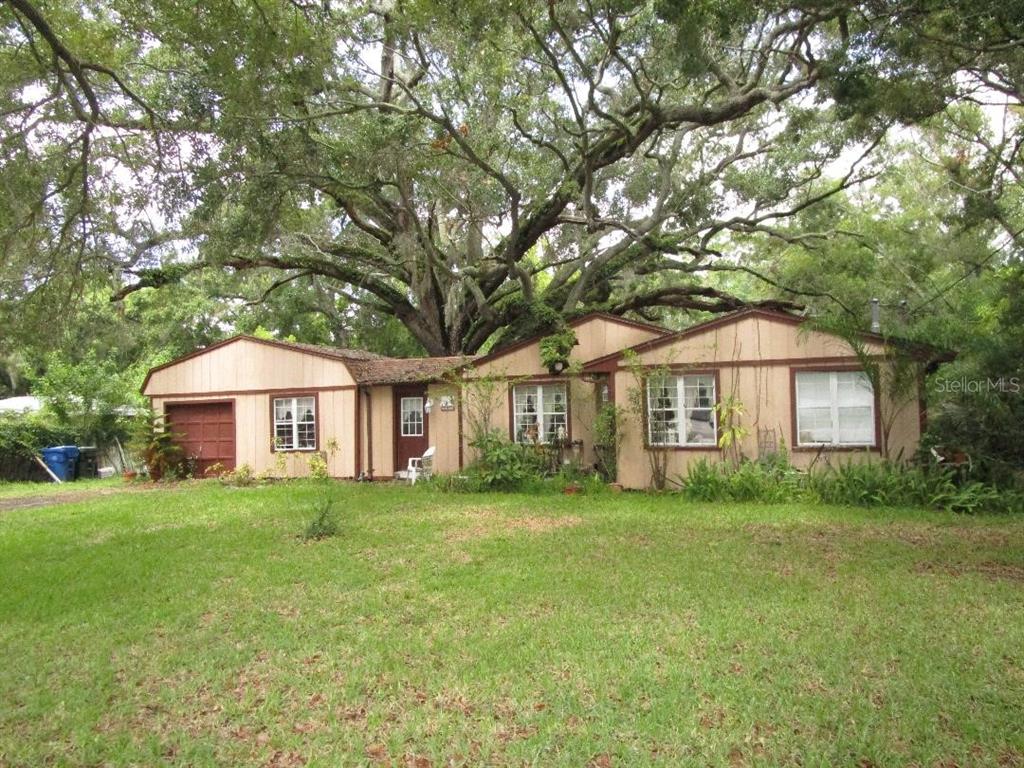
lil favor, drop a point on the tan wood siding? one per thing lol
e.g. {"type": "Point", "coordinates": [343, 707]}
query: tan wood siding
{"type": "Point", "coordinates": [335, 422]}
{"type": "Point", "coordinates": [444, 429]}
{"type": "Point", "coordinates": [597, 337]}
{"type": "Point", "coordinates": [754, 358]}
{"type": "Point", "coordinates": [245, 365]}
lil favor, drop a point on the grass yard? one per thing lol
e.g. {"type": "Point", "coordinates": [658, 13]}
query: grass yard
{"type": "Point", "coordinates": [36, 490]}
{"type": "Point", "coordinates": [191, 626]}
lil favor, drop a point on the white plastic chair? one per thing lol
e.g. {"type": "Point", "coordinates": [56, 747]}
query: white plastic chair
{"type": "Point", "coordinates": [421, 467]}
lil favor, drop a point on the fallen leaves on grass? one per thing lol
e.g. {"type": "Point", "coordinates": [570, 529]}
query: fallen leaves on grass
{"type": "Point", "coordinates": [378, 752]}
{"type": "Point", "coordinates": [282, 759]}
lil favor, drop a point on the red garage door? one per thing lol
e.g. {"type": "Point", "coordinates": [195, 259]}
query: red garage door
{"type": "Point", "coordinates": [205, 431]}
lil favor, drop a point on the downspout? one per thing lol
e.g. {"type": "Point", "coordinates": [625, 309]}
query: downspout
{"type": "Point", "coordinates": [460, 429]}
{"type": "Point", "coordinates": [359, 434]}
{"type": "Point", "coordinates": [369, 435]}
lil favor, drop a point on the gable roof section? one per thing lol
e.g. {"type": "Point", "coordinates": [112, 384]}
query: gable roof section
{"type": "Point", "coordinates": [515, 346]}
{"type": "Point", "coordinates": [925, 352]}
{"type": "Point", "coordinates": [365, 367]}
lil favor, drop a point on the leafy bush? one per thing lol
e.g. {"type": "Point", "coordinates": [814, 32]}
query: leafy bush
{"type": "Point", "coordinates": [704, 481]}
{"type": "Point", "coordinates": [987, 423]}
{"type": "Point", "coordinates": [324, 524]}
{"type": "Point", "coordinates": [241, 476]}
{"type": "Point", "coordinates": [889, 484]}
{"type": "Point", "coordinates": [22, 435]}
{"type": "Point", "coordinates": [864, 484]}
{"type": "Point", "coordinates": [505, 466]}
{"type": "Point", "coordinates": [154, 441]}
{"type": "Point", "coordinates": [769, 482]}
{"type": "Point", "coordinates": [318, 469]}
{"type": "Point", "coordinates": [87, 395]}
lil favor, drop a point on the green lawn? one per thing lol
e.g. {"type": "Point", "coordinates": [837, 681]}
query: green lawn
{"type": "Point", "coordinates": [34, 490]}
{"type": "Point", "coordinates": [191, 626]}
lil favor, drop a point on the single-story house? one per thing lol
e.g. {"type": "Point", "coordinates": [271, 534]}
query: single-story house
{"type": "Point", "coordinates": [270, 404]}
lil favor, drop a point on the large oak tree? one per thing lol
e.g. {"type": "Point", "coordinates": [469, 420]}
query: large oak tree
{"type": "Point", "coordinates": [465, 168]}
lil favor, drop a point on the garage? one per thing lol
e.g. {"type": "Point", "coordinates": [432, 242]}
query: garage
{"type": "Point", "coordinates": [205, 432]}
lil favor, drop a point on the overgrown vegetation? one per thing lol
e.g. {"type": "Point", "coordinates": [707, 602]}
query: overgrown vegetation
{"type": "Point", "coordinates": [977, 403]}
{"type": "Point", "coordinates": [155, 442]}
{"type": "Point", "coordinates": [636, 398]}
{"type": "Point", "coordinates": [851, 483]}
{"type": "Point", "coordinates": [24, 435]}
{"type": "Point", "coordinates": [555, 349]}
{"type": "Point", "coordinates": [501, 465]}
{"type": "Point", "coordinates": [605, 433]}
{"type": "Point", "coordinates": [320, 461]}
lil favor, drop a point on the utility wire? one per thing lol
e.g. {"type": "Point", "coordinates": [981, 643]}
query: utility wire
{"type": "Point", "coordinates": [973, 268]}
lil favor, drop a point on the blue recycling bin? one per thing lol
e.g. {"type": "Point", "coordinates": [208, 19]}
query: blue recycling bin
{"type": "Point", "coordinates": [61, 461]}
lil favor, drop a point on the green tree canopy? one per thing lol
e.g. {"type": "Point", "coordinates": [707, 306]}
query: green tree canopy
{"type": "Point", "coordinates": [466, 169]}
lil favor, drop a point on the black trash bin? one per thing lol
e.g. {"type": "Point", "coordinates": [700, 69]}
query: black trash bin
{"type": "Point", "coordinates": [87, 467]}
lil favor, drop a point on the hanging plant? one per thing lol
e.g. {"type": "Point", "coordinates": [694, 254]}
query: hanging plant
{"type": "Point", "coordinates": [555, 350]}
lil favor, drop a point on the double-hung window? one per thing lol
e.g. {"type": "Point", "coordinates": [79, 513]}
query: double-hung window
{"type": "Point", "coordinates": [540, 413]}
{"type": "Point", "coordinates": [834, 408]}
{"type": "Point", "coordinates": [295, 423]}
{"type": "Point", "coordinates": [681, 410]}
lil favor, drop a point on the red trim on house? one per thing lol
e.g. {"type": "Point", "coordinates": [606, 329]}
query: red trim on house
{"type": "Point", "coordinates": [718, 427]}
{"type": "Point", "coordinates": [609, 361]}
{"type": "Point", "coordinates": [398, 391]}
{"type": "Point", "coordinates": [316, 418]}
{"type": "Point", "coordinates": [533, 382]}
{"type": "Point", "coordinates": [794, 445]}
{"type": "Point", "coordinates": [279, 391]}
{"type": "Point", "coordinates": [629, 322]}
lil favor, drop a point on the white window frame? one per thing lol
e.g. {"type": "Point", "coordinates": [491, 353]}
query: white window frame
{"type": "Point", "coordinates": [401, 415]}
{"type": "Point", "coordinates": [294, 401]}
{"type": "Point", "coordinates": [541, 410]}
{"type": "Point", "coordinates": [682, 412]}
{"type": "Point", "coordinates": [834, 408]}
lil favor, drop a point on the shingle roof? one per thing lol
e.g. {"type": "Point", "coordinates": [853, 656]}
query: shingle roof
{"type": "Point", "coordinates": [371, 368]}
{"type": "Point", "coordinates": [392, 370]}
{"type": "Point", "coordinates": [341, 353]}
